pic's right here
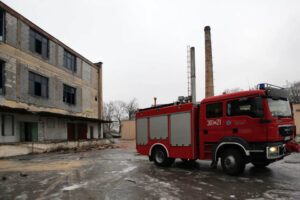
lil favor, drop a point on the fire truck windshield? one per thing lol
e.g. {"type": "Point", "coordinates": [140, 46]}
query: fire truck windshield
{"type": "Point", "coordinates": [280, 108]}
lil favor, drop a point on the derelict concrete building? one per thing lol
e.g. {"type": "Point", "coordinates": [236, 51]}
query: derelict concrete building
{"type": "Point", "coordinates": [47, 90]}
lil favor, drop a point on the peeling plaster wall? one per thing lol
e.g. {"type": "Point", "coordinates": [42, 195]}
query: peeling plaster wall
{"type": "Point", "coordinates": [10, 77]}
{"type": "Point", "coordinates": [55, 128]}
{"type": "Point", "coordinates": [24, 87]}
{"type": "Point", "coordinates": [11, 29]}
{"type": "Point", "coordinates": [25, 37]}
{"type": "Point", "coordinates": [20, 60]}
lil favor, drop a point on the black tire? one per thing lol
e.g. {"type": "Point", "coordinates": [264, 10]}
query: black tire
{"type": "Point", "coordinates": [260, 164]}
{"type": "Point", "coordinates": [233, 162]}
{"type": "Point", "coordinates": [160, 157]}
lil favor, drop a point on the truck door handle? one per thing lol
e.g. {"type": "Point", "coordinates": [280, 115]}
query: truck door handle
{"type": "Point", "coordinates": [235, 130]}
{"type": "Point", "coordinates": [205, 131]}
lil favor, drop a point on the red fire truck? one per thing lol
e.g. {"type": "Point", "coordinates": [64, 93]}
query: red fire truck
{"type": "Point", "coordinates": [243, 127]}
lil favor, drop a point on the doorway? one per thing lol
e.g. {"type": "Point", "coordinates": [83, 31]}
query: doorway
{"type": "Point", "coordinates": [29, 131]}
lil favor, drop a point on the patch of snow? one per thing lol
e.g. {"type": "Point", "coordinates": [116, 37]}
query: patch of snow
{"type": "Point", "coordinates": [74, 187]}
{"type": "Point", "coordinates": [22, 196]}
{"type": "Point", "coordinates": [128, 169]}
{"type": "Point", "coordinates": [258, 180]}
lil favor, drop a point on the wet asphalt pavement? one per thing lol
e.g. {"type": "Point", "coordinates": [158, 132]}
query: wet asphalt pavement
{"type": "Point", "coordinates": [121, 173]}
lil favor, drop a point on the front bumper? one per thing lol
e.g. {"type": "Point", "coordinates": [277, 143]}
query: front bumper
{"type": "Point", "coordinates": [275, 151]}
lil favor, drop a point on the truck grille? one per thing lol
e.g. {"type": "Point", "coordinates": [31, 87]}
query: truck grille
{"type": "Point", "coordinates": [286, 130]}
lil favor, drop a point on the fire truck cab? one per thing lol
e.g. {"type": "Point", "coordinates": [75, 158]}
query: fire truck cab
{"type": "Point", "coordinates": [238, 128]}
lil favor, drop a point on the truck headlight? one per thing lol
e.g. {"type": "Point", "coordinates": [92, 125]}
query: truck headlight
{"type": "Point", "coordinates": [273, 149]}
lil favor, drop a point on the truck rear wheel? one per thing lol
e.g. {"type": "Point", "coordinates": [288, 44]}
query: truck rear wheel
{"type": "Point", "coordinates": [233, 162]}
{"type": "Point", "coordinates": [160, 157]}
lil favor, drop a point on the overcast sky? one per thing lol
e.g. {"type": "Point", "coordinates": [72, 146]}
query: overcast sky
{"type": "Point", "coordinates": [143, 43]}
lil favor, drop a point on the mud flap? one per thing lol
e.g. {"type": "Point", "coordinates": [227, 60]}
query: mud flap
{"type": "Point", "coordinates": [150, 158]}
{"type": "Point", "coordinates": [292, 147]}
{"type": "Point", "coordinates": [214, 164]}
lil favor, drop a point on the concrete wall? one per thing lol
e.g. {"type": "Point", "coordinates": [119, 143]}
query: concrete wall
{"type": "Point", "coordinates": [24, 87]}
{"type": "Point", "coordinates": [128, 129]}
{"type": "Point", "coordinates": [24, 40]}
{"type": "Point", "coordinates": [54, 129]}
{"type": "Point", "coordinates": [96, 133]}
{"type": "Point", "coordinates": [8, 150]}
{"type": "Point", "coordinates": [296, 109]}
{"type": "Point", "coordinates": [10, 78]}
{"type": "Point", "coordinates": [17, 120]}
{"type": "Point", "coordinates": [49, 128]}
{"type": "Point", "coordinates": [11, 29]}
{"type": "Point", "coordinates": [19, 59]}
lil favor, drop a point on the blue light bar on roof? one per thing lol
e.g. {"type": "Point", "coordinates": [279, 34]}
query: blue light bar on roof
{"type": "Point", "coordinates": [262, 86]}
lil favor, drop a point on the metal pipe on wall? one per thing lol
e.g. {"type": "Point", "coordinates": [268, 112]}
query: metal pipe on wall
{"type": "Point", "coordinates": [193, 75]}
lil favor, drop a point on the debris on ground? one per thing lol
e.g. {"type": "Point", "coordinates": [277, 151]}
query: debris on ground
{"type": "Point", "coordinates": [126, 144]}
{"type": "Point", "coordinates": [22, 174]}
{"type": "Point", "coordinates": [87, 148]}
{"type": "Point", "coordinates": [3, 178]}
{"type": "Point", "coordinates": [130, 180]}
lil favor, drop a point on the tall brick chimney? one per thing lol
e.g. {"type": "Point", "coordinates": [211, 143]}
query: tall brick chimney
{"type": "Point", "coordinates": [100, 97]}
{"type": "Point", "coordinates": [209, 78]}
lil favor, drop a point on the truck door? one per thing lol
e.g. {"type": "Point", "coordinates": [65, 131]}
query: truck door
{"type": "Point", "coordinates": [212, 122]}
{"type": "Point", "coordinates": [243, 119]}
{"type": "Point", "coordinates": [211, 127]}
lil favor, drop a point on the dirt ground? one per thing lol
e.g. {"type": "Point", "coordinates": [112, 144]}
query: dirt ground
{"type": "Point", "coordinates": [120, 172]}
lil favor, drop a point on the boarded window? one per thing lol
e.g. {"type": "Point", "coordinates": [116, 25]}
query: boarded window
{"type": "Point", "coordinates": [214, 110]}
{"type": "Point", "coordinates": [7, 125]}
{"type": "Point", "coordinates": [61, 123]}
{"type": "Point", "coordinates": [38, 85]}
{"type": "Point", "coordinates": [39, 43]}
{"type": "Point", "coordinates": [2, 77]}
{"type": "Point", "coordinates": [69, 61]}
{"type": "Point", "coordinates": [50, 123]}
{"type": "Point", "coordinates": [69, 95]}
{"type": "Point", "coordinates": [2, 24]}
{"type": "Point", "coordinates": [252, 107]}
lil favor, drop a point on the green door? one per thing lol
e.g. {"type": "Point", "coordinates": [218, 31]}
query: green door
{"type": "Point", "coordinates": [34, 132]}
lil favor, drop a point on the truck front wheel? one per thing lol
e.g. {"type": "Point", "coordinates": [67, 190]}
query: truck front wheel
{"type": "Point", "coordinates": [233, 162]}
{"type": "Point", "coordinates": [160, 157]}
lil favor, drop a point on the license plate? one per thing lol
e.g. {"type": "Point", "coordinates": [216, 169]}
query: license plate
{"type": "Point", "coordinates": [287, 137]}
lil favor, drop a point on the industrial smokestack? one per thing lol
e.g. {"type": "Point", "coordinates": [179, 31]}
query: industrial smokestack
{"type": "Point", "coordinates": [193, 75]}
{"type": "Point", "coordinates": [209, 79]}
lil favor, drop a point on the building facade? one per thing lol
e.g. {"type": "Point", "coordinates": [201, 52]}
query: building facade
{"type": "Point", "coordinates": [296, 111]}
{"type": "Point", "coordinates": [47, 90]}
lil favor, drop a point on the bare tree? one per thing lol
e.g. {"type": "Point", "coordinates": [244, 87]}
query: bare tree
{"type": "Point", "coordinates": [108, 112]}
{"type": "Point", "coordinates": [116, 111]}
{"type": "Point", "coordinates": [294, 92]}
{"type": "Point", "coordinates": [119, 112]}
{"type": "Point", "coordinates": [131, 108]}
